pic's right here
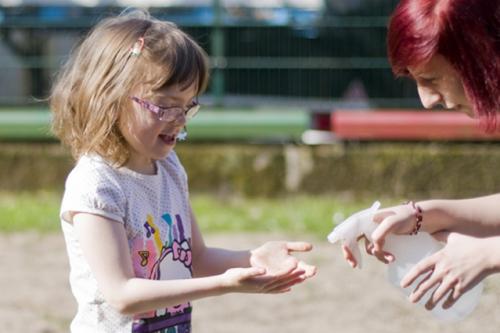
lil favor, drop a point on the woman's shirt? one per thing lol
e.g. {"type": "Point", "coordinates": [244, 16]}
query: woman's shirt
{"type": "Point", "coordinates": [155, 213]}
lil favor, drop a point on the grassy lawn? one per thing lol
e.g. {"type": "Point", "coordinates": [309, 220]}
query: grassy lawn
{"type": "Point", "coordinates": [38, 211]}
{"type": "Point", "coordinates": [29, 211]}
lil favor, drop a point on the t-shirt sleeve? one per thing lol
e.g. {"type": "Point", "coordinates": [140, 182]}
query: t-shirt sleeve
{"type": "Point", "coordinates": [93, 191]}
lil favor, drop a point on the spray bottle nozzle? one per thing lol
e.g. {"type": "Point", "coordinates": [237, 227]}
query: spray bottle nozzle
{"type": "Point", "coordinates": [352, 228]}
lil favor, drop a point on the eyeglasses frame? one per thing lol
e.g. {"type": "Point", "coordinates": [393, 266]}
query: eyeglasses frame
{"type": "Point", "coordinates": [161, 112]}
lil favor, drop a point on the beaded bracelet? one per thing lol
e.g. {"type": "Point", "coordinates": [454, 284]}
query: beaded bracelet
{"type": "Point", "coordinates": [418, 217]}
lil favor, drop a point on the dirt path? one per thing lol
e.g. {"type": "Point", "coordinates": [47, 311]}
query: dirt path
{"type": "Point", "coordinates": [35, 295]}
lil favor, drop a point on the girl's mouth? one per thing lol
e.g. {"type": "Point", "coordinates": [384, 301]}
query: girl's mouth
{"type": "Point", "coordinates": [168, 139]}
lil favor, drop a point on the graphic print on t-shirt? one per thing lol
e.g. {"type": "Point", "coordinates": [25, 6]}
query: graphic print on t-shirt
{"type": "Point", "coordinates": [163, 252]}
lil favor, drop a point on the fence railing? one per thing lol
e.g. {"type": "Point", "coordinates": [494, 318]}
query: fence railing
{"type": "Point", "coordinates": [281, 56]}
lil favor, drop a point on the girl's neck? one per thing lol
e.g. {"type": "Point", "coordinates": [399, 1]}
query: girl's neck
{"type": "Point", "coordinates": [146, 167]}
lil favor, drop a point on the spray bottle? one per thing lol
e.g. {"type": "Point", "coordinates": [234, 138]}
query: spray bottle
{"type": "Point", "coordinates": [408, 251]}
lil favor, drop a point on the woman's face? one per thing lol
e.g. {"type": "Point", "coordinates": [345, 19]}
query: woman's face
{"type": "Point", "coordinates": [438, 83]}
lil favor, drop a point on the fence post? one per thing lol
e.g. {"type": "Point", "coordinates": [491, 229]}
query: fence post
{"type": "Point", "coordinates": [218, 59]}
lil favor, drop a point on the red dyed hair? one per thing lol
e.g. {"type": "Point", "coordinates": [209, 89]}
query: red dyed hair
{"type": "Point", "coordinates": [465, 32]}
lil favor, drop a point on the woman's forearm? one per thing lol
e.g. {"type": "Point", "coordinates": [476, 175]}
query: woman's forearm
{"type": "Point", "coordinates": [476, 216]}
{"type": "Point", "coordinates": [492, 252]}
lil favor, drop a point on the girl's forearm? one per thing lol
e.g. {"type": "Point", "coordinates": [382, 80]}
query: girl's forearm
{"type": "Point", "coordinates": [142, 295]}
{"type": "Point", "coordinates": [216, 261]}
{"type": "Point", "coordinates": [475, 216]}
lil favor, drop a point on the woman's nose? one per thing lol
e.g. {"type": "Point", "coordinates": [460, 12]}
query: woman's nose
{"type": "Point", "coordinates": [429, 97]}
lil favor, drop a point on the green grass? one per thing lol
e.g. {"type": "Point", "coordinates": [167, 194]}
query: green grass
{"type": "Point", "coordinates": [29, 211]}
{"type": "Point", "coordinates": [299, 214]}
{"type": "Point", "coordinates": [39, 211]}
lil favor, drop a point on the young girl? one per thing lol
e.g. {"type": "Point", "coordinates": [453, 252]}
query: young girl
{"type": "Point", "coordinates": [136, 254]}
{"type": "Point", "coordinates": [451, 48]}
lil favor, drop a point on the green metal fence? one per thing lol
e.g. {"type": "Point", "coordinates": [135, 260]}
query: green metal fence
{"type": "Point", "coordinates": [279, 56]}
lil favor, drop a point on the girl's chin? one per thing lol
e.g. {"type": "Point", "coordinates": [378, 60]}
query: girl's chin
{"type": "Point", "coordinates": [166, 150]}
{"type": "Point", "coordinates": [161, 151]}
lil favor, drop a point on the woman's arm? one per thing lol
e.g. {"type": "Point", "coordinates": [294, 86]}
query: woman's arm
{"type": "Point", "coordinates": [476, 217]}
{"type": "Point", "coordinates": [105, 247]}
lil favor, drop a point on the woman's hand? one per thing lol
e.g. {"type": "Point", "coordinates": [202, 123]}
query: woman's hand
{"type": "Point", "coordinates": [386, 257]}
{"type": "Point", "coordinates": [397, 220]}
{"type": "Point", "coordinates": [457, 268]}
{"type": "Point", "coordinates": [275, 257]}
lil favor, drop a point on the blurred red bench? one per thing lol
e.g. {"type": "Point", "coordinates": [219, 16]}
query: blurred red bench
{"type": "Point", "coordinates": [406, 125]}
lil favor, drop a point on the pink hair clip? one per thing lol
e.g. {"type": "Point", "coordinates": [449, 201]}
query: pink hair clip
{"type": "Point", "coordinates": [137, 48]}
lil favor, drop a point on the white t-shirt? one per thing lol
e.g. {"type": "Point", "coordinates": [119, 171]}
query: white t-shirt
{"type": "Point", "coordinates": [154, 210]}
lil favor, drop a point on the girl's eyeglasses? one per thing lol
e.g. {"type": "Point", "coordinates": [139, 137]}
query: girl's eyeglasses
{"type": "Point", "coordinates": [169, 113]}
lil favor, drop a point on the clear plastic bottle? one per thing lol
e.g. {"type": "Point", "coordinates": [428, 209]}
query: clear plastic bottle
{"type": "Point", "coordinates": [408, 251]}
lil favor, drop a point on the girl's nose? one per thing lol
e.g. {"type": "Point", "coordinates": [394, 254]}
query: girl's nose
{"type": "Point", "coordinates": [180, 119]}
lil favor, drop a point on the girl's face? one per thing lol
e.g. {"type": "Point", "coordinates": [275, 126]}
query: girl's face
{"type": "Point", "coordinates": [438, 83]}
{"type": "Point", "coordinates": [150, 138]}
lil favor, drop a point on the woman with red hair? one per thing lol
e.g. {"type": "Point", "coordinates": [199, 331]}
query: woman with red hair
{"type": "Point", "coordinates": [451, 48]}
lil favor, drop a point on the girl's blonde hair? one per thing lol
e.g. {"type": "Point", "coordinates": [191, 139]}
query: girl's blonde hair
{"type": "Point", "coordinates": [94, 86]}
